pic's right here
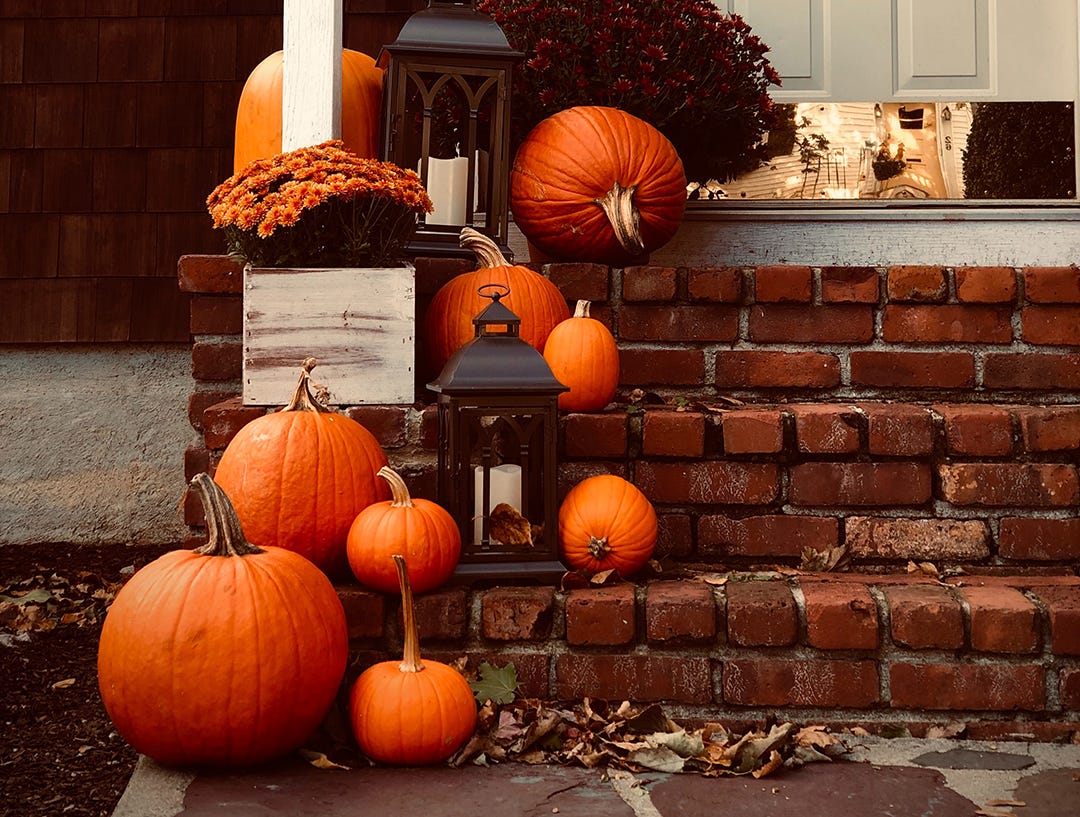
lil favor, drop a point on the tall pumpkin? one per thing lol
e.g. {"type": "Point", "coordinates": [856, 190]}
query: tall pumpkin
{"type": "Point", "coordinates": [583, 355]}
{"type": "Point", "coordinates": [298, 477]}
{"type": "Point", "coordinates": [227, 655]}
{"type": "Point", "coordinates": [415, 711]}
{"type": "Point", "coordinates": [597, 184]}
{"type": "Point", "coordinates": [258, 114]}
{"type": "Point", "coordinates": [606, 523]}
{"type": "Point", "coordinates": [449, 320]}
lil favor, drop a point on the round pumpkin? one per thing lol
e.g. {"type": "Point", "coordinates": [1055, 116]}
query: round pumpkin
{"type": "Point", "coordinates": [415, 711]}
{"type": "Point", "coordinates": [582, 354]}
{"type": "Point", "coordinates": [258, 113]}
{"type": "Point", "coordinates": [448, 322]}
{"type": "Point", "coordinates": [298, 477]}
{"type": "Point", "coordinates": [227, 655]}
{"type": "Point", "coordinates": [606, 523]}
{"type": "Point", "coordinates": [419, 529]}
{"type": "Point", "coordinates": [597, 184]}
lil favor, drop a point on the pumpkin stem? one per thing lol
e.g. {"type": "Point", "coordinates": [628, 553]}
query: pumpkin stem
{"type": "Point", "coordinates": [410, 661]}
{"type": "Point", "coordinates": [581, 309]}
{"type": "Point", "coordinates": [226, 534]}
{"type": "Point", "coordinates": [303, 398]}
{"type": "Point", "coordinates": [487, 252]}
{"type": "Point", "coordinates": [618, 206]}
{"type": "Point", "coordinates": [599, 548]}
{"type": "Point", "coordinates": [398, 489]}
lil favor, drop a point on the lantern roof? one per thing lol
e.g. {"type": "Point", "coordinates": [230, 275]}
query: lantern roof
{"type": "Point", "coordinates": [453, 27]}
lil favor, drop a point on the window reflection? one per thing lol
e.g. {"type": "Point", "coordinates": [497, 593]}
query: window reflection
{"type": "Point", "coordinates": [893, 150]}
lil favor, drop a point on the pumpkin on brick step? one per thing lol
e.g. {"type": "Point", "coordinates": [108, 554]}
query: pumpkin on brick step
{"type": "Point", "coordinates": [415, 711]}
{"type": "Point", "coordinates": [298, 477]}
{"type": "Point", "coordinates": [419, 529]}
{"type": "Point", "coordinates": [597, 184]}
{"type": "Point", "coordinates": [258, 113]}
{"type": "Point", "coordinates": [583, 355]}
{"type": "Point", "coordinates": [227, 655]}
{"type": "Point", "coordinates": [448, 323]}
{"type": "Point", "coordinates": [606, 523]}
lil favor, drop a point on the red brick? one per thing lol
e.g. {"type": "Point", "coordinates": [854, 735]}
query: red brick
{"type": "Point", "coordinates": [1070, 688]}
{"type": "Point", "coordinates": [980, 687]}
{"type": "Point", "coordinates": [387, 423]}
{"type": "Point", "coordinates": [673, 434]}
{"type": "Point", "coordinates": [761, 614]}
{"type": "Point", "coordinates": [766, 536]}
{"type": "Point", "coordinates": [1051, 325]}
{"type": "Point", "coordinates": [217, 315]}
{"type": "Point", "coordinates": [954, 323]}
{"type": "Point", "coordinates": [196, 461]}
{"type": "Point", "coordinates": [1001, 620]}
{"type": "Point", "coordinates": [571, 473]}
{"type": "Point", "coordinates": [442, 614]}
{"type": "Point", "coordinates": [762, 369]}
{"type": "Point", "coordinates": [777, 284]}
{"type": "Point", "coordinates": [1050, 428]}
{"type": "Point", "coordinates": [826, 429]}
{"type": "Point", "coordinates": [1063, 609]}
{"type": "Point", "coordinates": [600, 615]}
{"type": "Point", "coordinates": [580, 281]}
{"type": "Point", "coordinates": [533, 669]}
{"type": "Point", "coordinates": [899, 430]}
{"type": "Point", "coordinates": [1052, 285]}
{"type": "Point", "coordinates": [680, 613]}
{"type": "Point", "coordinates": [709, 483]}
{"type": "Point", "coordinates": [596, 435]}
{"type": "Point", "coordinates": [433, 273]}
{"type": "Point", "coordinates": [1037, 539]}
{"type": "Point", "coordinates": [860, 483]}
{"type": "Point", "coordinates": [199, 401]}
{"type": "Point", "coordinates": [753, 431]}
{"type": "Point", "coordinates": [679, 323]}
{"type": "Point", "coordinates": [211, 274]}
{"type": "Point", "coordinates": [719, 284]}
{"type": "Point", "coordinates": [987, 285]}
{"type": "Point", "coordinates": [915, 283]}
{"type": "Point", "coordinates": [1017, 484]}
{"type": "Point", "coordinates": [906, 370]}
{"type": "Point", "coordinates": [429, 428]}
{"type": "Point", "coordinates": [221, 421]}
{"type": "Point", "coordinates": [925, 617]}
{"type": "Point", "coordinates": [674, 537]}
{"type": "Point", "coordinates": [217, 361]}
{"type": "Point", "coordinates": [664, 367]}
{"type": "Point", "coordinates": [786, 682]}
{"type": "Point", "coordinates": [1031, 371]}
{"type": "Point", "coordinates": [633, 677]}
{"type": "Point", "coordinates": [840, 616]}
{"type": "Point", "coordinates": [517, 613]}
{"type": "Point", "coordinates": [648, 283]}
{"type": "Point", "coordinates": [365, 611]}
{"type": "Point", "coordinates": [982, 431]}
{"type": "Point", "coordinates": [920, 539]}
{"type": "Point", "coordinates": [786, 323]}
{"type": "Point", "coordinates": [849, 285]}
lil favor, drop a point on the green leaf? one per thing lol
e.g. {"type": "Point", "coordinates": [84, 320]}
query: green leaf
{"type": "Point", "coordinates": [496, 684]}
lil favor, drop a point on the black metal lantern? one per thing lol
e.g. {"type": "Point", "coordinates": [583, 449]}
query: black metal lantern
{"type": "Point", "coordinates": [447, 116]}
{"type": "Point", "coordinates": [498, 427]}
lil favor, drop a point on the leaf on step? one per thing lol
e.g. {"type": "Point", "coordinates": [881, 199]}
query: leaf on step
{"type": "Point", "coordinates": [949, 730]}
{"type": "Point", "coordinates": [320, 761]}
{"type": "Point", "coordinates": [496, 684]}
{"type": "Point", "coordinates": [775, 762]}
{"type": "Point", "coordinates": [825, 561]}
{"type": "Point", "coordinates": [681, 743]}
{"type": "Point", "coordinates": [602, 578]}
{"type": "Point", "coordinates": [659, 759]}
{"type": "Point", "coordinates": [926, 568]}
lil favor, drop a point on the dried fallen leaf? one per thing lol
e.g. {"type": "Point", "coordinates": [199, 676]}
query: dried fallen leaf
{"type": "Point", "coordinates": [775, 762]}
{"type": "Point", "coordinates": [506, 524]}
{"type": "Point", "coordinates": [320, 761]}
{"type": "Point", "coordinates": [950, 730]}
{"type": "Point", "coordinates": [987, 812]}
{"type": "Point", "coordinates": [602, 577]}
{"type": "Point", "coordinates": [1006, 803]}
{"type": "Point", "coordinates": [67, 682]}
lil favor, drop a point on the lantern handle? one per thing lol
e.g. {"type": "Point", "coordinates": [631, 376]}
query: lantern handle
{"type": "Point", "coordinates": [499, 291]}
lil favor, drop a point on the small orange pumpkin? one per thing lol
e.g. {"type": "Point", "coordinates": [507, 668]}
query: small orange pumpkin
{"type": "Point", "coordinates": [606, 523]}
{"type": "Point", "coordinates": [227, 655]}
{"type": "Point", "coordinates": [414, 712]}
{"type": "Point", "coordinates": [424, 532]}
{"type": "Point", "coordinates": [298, 477]}
{"type": "Point", "coordinates": [449, 320]}
{"type": "Point", "coordinates": [258, 113]}
{"type": "Point", "coordinates": [582, 354]}
{"type": "Point", "coordinates": [597, 184]}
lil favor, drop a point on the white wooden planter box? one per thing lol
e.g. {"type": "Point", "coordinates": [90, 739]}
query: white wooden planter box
{"type": "Point", "coordinates": [359, 324]}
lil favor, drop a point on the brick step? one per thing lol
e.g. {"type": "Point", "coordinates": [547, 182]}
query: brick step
{"type": "Point", "coordinates": [1001, 654]}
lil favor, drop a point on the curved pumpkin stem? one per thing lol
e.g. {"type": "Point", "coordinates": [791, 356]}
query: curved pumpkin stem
{"type": "Point", "coordinates": [398, 489]}
{"type": "Point", "coordinates": [618, 206]}
{"type": "Point", "coordinates": [303, 399]}
{"type": "Point", "coordinates": [410, 661]}
{"type": "Point", "coordinates": [599, 548]}
{"type": "Point", "coordinates": [226, 534]}
{"type": "Point", "coordinates": [487, 252]}
{"type": "Point", "coordinates": [581, 309]}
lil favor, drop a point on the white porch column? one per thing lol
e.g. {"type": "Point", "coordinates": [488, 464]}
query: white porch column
{"type": "Point", "coordinates": [311, 83]}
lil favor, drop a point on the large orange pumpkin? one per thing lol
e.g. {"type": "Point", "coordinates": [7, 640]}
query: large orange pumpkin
{"type": "Point", "coordinates": [415, 711]}
{"type": "Point", "coordinates": [449, 320]}
{"type": "Point", "coordinates": [228, 655]}
{"type": "Point", "coordinates": [597, 184]}
{"type": "Point", "coordinates": [606, 523]}
{"type": "Point", "coordinates": [258, 114]}
{"type": "Point", "coordinates": [583, 355]}
{"type": "Point", "coordinates": [298, 477]}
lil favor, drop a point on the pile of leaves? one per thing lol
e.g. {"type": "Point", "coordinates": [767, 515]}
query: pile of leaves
{"type": "Point", "coordinates": [46, 599]}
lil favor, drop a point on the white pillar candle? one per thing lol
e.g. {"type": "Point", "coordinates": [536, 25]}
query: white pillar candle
{"type": "Point", "coordinates": [505, 487]}
{"type": "Point", "coordinates": [447, 185]}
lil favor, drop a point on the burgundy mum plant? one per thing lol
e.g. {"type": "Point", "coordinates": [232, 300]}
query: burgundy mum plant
{"type": "Point", "coordinates": [697, 75]}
